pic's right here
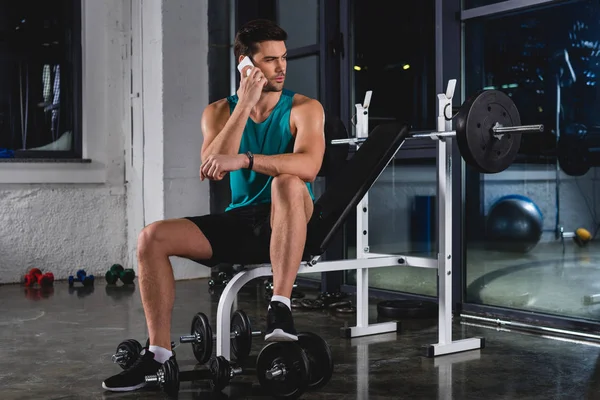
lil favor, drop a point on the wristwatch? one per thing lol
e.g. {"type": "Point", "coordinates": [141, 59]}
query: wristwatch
{"type": "Point", "coordinates": [251, 158]}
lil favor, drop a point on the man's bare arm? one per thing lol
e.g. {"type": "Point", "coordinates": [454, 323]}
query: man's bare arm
{"type": "Point", "coordinates": [222, 137]}
{"type": "Point", "coordinates": [225, 139]}
{"type": "Point", "coordinates": [309, 148]}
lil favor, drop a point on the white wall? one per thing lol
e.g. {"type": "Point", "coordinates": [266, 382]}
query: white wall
{"type": "Point", "coordinates": [172, 73]}
{"type": "Point", "coordinates": [60, 217]}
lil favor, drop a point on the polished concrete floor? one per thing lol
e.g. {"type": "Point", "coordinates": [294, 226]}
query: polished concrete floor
{"type": "Point", "coordinates": [58, 345]}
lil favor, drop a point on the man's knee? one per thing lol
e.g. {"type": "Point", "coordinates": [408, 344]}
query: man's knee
{"type": "Point", "coordinates": [151, 238]}
{"type": "Point", "coordinates": [287, 187]}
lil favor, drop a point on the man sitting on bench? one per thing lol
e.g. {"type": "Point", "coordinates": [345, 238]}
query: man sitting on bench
{"type": "Point", "coordinates": [271, 142]}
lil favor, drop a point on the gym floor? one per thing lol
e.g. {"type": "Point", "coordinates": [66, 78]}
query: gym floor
{"type": "Point", "coordinates": [58, 345]}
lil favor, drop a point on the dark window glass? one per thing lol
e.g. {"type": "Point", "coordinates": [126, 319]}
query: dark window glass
{"type": "Point", "coordinates": [550, 73]}
{"type": "Point", "coordinates": [39, 70]}
{"type": "Point", "coordinates": [394, 56]}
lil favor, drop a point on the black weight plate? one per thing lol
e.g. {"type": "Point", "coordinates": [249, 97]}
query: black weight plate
{"type": "Point", "coordinates": [171, 384]}
{"type": "Point", "coordinates": [320, 359]}
{"type": "Point", "coordinates": [348, 309]}
{"type": "Point", "coordinates": [474, 122]}
{"type": "Point", "coordinates": [407, 309]}
{"type": "Point", "coordinates": [335, 155]}
{"type": "Point", "coordinates": [295, 382]}
{"type": "Point", "coordinates": [573, 155]}
{"type": "Point", "coordinates": [202, 350]}
{"type": "Point", "coordinates": [133, 348]}
{"type": "Point", "coordinates": [220, 370]}
{"type": "Point", "coordinates": [241, 344]}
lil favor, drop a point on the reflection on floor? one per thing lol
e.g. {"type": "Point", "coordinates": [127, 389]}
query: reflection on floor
{"type": "Point", "coordinates": [58, 344]}
{"type": "Point", "coordinates": [543, 280]}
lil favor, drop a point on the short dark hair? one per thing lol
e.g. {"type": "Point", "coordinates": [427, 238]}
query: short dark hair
{"type": "Point", "coordinates": [254, 32]}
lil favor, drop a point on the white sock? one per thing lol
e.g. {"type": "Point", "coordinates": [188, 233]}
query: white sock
{"type": "Point", "coordinates": [283, 300]}
{"type": "Point", "coordinates": [160, 353]}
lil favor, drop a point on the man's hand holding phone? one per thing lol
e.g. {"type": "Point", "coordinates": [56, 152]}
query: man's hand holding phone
{"type": "Point", "coordinates": [251, 84]}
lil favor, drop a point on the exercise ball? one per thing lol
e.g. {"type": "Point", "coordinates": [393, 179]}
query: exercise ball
{"type": "Point", "coordinates": [514, 223]}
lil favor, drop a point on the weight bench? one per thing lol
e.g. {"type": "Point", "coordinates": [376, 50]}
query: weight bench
{"type": "Point", "coordinates": [347, 192]}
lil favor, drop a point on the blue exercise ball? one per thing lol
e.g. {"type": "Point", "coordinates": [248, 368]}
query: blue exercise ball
{"type": "Point", "coordinates": [514, 224]}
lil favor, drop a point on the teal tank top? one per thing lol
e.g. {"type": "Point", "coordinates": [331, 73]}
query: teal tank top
{"type": "Point", "coordinates": [270, 137]}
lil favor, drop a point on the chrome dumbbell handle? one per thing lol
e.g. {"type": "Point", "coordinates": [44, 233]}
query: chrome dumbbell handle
{"type": "Point", "coordinates": [235, 334]}
{"type": "Point", "coordinates": [119, 356]}
{"type": "Point", "coordinates": [190, 339]}
{"type": "Point", "coordinates": [198, 339]}
{"type": "Point", "coordinates": [235, 371]}
{"type": "Point", "coordinates": [159, 377]}
{"type": "Point", "coordinates": [276, 371]}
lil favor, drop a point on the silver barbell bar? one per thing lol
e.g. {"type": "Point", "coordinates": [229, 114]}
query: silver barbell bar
{"type": "Point", "coordinates": [497, 129]}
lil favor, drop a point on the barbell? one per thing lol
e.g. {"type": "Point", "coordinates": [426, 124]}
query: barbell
{"type": "Point", "coordinates": [488, 131]}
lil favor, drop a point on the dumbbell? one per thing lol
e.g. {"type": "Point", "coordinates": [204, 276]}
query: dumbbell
{"type": "Point", "coordinates": [241, 336]}
{"type": "Point", "coordinates": [288, 369]}
{"type": "Point", "coordinates": [32, 276]}
{"type": "Point", "coordinates": [117, 272]}
{"type": "Point", "coordinates": [219, 374]}
{"type": "Point", "coordinates": [35, 276]}
{"type": "Point", "coordinates": [81, 276]}
{"type": "Point", "coordinates": [128, 352]}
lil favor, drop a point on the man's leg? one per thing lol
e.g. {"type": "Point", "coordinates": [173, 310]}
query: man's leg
{"type": "Point", "coordinates": [156, 242]}
{"type": "Point", "coordinates": [291, 209]}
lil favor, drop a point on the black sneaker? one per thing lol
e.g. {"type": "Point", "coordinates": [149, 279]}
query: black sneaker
{"type": "Point", "coordinates": [133, 378]}
{"type": "Point", "coordinates": [280, 324]}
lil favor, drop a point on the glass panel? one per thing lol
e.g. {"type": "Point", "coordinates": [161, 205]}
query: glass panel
{"type": "Point", "coordinates": [36, 76]}
{"type": "Point", "coordinates": [402, 220]}
{"type": "Point", "coordinates": [515, 256]}
{"type": "Point", "coordinates": [301, 21]}
{"type": "Point", "coordinates": [401, 73]}
{"type": "Point", "coordinates": [394, 56]}
{"type": "Point", "coordinates": [302, 76]}
{"type": "Point", "coordinates": [479, 3]}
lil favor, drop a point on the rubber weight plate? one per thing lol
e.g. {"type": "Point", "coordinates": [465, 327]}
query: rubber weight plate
{"type": "Point", "coordinates": [242, 343]}
{"type": "Point", "coordinates": [320, 359]}
{"type": "Point", "coordinates": [294, 382]}
{"type": "Point", "coordinates": [409, 309]}
{"type": "Point", "coordinates": [133, 348]}
{"type": "Point", "coordinates": [573, 155]}
{"type": "Point", "coordinates": [201, 326]}
{"type": "Point", "coordinates": [171, 381]}
{"type": "Point", "coordinates": [220, 371]}
{"type": "Point", "coordinates": [478, 145]}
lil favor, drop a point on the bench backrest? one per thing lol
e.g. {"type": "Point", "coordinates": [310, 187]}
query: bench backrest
{"type": "Point", "coordinates": [351, 184]}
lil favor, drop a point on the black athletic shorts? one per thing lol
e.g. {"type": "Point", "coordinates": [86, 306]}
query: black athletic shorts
{"type": "Point", "coordinates": [239, 236]}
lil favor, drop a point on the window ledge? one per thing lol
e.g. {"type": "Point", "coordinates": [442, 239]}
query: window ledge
{"type": "Point", "coordinates": [51, 171]}
{"type": "Point", "coordinates": [47, 160]}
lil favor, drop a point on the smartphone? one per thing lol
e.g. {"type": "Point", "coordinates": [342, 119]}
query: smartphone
{"type": "Point", "coordinates": [245, 61]}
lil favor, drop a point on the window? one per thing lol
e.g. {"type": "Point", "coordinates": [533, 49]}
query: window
{"type": "Point", "coordinates": [40, 64]}
{"type": "Point", "coordinates": [394, 56]}
{"type": "Point", "coordinates": [519, 55]}
{"type": "Point", "coordinates": [548, 60]}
